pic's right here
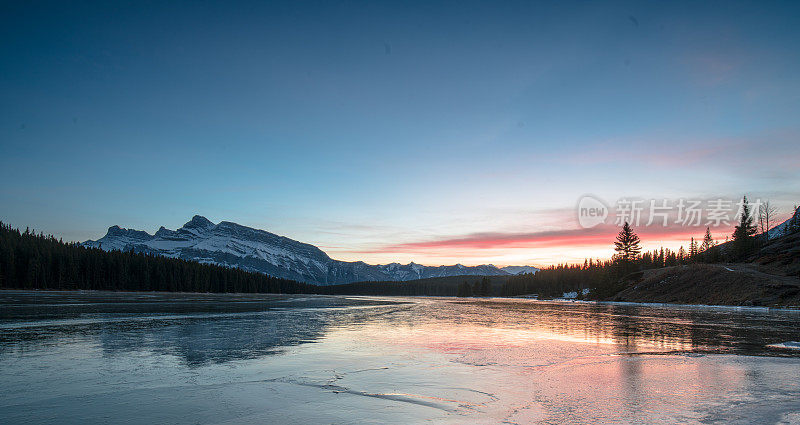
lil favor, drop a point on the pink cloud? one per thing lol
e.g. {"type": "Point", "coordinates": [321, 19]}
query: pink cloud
{"type": "Point", "coordinates": [598, 236]}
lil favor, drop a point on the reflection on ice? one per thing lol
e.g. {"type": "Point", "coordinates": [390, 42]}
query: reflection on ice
{"type": "Point", "coordinates": [628, 327]}
{"type": "Point", "coordinates": [196, 329]}
{"type": "Point", "coordinates": [154, 358]}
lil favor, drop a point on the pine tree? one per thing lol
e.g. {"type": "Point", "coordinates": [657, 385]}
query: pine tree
{"type": "Point", "coordinates": [744, 231]}
{"type": "Point", "coordinates": [708, 241]}
{"type": "Point", "coordinates": [627, 245]}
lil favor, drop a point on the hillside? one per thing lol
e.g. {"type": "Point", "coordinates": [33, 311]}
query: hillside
{"type": "Point", "coordinates": [770, 277]}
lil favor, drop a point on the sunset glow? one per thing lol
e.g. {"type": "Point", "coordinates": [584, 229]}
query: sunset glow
{"type": "Point", "coordinates": [467, 137]}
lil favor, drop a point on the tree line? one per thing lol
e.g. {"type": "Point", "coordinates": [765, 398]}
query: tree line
{"type": "Point", "coordinates": [35, 261]}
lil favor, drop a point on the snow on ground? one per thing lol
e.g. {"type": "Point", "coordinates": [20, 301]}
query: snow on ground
{"type": "Point", "coordinates": [788, 345]}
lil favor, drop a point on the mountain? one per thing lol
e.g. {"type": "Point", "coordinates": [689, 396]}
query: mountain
{"type": "Point", "coordinates": [785, 227]}
{"type": "Point", "coordinates": [519, 269]}
{"type": "Point", "coordinates": [233, 245]}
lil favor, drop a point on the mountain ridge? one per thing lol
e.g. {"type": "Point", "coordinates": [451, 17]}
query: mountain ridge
{"type": "Point", "coordinates": [233, 245]}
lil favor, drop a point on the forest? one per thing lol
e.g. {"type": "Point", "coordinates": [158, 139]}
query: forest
{"type": "Point", "coordinates": [35, 261]}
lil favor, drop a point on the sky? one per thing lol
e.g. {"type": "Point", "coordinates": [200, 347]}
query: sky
{"type": "Point", "coordinates": [434, 132]}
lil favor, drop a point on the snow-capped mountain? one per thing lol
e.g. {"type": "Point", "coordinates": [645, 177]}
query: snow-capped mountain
{"type": "Point", "coordinates": [233, 245]}
{"type": "Point", "coordinates": [519, 269]}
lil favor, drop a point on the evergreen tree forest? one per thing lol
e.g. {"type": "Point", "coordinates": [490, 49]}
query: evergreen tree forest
{"type": "Point", "coordinates": [31, 261]}
{"type": "Point", "coordinates": [603, 277]}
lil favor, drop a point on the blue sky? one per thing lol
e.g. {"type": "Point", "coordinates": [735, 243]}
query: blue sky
{"type": "Point", "coordinates": [367, 127]}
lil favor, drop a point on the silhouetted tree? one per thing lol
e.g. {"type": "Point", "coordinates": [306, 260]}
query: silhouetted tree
{"type": "Point", "coordinates": [681, 257]}
{"type": "Point", "coordinates": [766, 216]}
{"type": "Point", "coordinates": [708, 241]}
{"type": "Point", "coordinates": [743, 232]}
{"type": "Point", "coordinates": [627, 245]}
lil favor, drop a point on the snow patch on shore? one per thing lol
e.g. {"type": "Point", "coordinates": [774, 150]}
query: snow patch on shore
{"type": "Point", "coordinates": [788, 345]}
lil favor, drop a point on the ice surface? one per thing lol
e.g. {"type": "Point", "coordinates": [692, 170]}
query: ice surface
{"type": "Point", "coordinates": [95, 357]}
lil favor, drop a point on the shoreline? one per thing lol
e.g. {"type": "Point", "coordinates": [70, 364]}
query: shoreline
{"type": "Point", "coordinates": [514, 298]}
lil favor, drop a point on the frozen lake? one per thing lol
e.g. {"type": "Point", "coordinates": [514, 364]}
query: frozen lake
{"type": "Point", "coordinates": [96, 357]}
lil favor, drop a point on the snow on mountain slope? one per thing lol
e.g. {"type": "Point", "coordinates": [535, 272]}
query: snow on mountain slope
{"type": "Point", "coordinates": [519, 269]}
{"type": "Point", "coordinates": [782, 228]}
{"type": "Point", "coordinates": [233, 245]}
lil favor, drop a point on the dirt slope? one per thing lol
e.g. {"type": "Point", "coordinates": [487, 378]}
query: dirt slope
{"type": "Point", "coordinates": [770, 279]}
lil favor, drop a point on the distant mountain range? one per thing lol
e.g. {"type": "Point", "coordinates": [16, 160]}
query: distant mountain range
{"type": "Point", "coordinates": [233, 245]}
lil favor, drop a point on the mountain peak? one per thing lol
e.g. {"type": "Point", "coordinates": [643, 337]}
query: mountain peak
{"type": "Point", "coordinates": [163, 232]}
{"type": "Point", "coordinates": [116, 231]}
{"type": "Point", "coordinates": [198, 222]}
